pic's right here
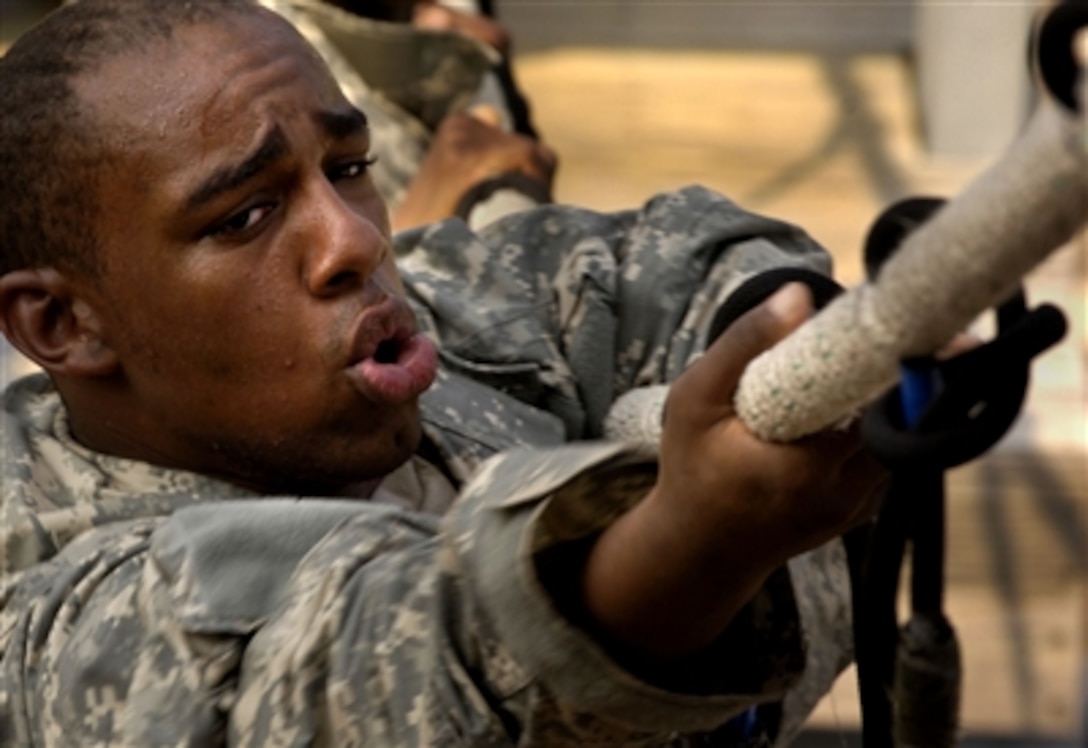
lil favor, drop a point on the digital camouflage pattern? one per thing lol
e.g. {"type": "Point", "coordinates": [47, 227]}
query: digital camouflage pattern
{"type": "Point", "coordinates": [149, 607]}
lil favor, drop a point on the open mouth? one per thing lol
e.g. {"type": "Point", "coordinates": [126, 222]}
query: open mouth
{"type": "Point", "coordinates": [386, 353]}
{"type": "Point", "coordinates": [400, 368]}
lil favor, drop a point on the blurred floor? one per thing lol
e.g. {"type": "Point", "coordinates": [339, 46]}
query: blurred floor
{"type": "Point", "coordinates": [826, 141]}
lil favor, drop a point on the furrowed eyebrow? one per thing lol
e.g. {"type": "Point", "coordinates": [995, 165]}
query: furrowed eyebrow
{"type": "Point", "coordinates": [231, 177]}
{"type": "Point", "coordinates": [342, 125]}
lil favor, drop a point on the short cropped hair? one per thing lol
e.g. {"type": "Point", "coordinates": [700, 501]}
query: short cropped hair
{"type": "Point", "coordinates": [50, 147]}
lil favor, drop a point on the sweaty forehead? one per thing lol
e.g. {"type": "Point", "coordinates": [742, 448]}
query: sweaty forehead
{"type": "Point", "coordinates": [204, 74]}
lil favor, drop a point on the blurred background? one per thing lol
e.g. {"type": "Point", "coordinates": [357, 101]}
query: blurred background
{"type": "Point", "coordinates": [823, 113]}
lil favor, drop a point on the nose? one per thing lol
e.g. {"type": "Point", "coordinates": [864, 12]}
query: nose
{"type": "Point", "coordinates": [344, 246]}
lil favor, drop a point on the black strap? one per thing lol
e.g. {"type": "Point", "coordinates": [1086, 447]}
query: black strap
{"type": "Point", "coordinates": [909, 679]}
{"type": "Point", "coordinates": [755, 290]}
{"type": "Point", "coordinates": [1054, 49]}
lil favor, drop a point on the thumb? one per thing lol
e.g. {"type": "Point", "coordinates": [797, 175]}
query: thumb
{"type": "Point", "coordinates": [487, 114]}
{"type": "Point", "coordinates": [712, 379]}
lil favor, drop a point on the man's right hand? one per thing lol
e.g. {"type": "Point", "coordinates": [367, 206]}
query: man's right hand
{"type": "Point", "coordinates": [728, 508]}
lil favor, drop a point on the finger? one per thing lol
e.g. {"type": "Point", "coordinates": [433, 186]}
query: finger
{"type": "Point", "coordinates": [486, 114]}
{"type": "Point", "coordinates": [534, 160]}
{"type": "Point", "coordinates": [481, 28]}
{"type": "Point", "coordinates": [865, 481]}
{"type": "Point", "coordinates": [714, 377]}
{"type": "Point", "coordinates": [519, 153]}
{"type": "Point", "coordinates": [432, 17]}
{"type": "Point", "coordinates": [962, 343]}
{"type": "Point", "coordinates": [547, 159]}
{"type": "Point", "coordinates": [834, 446]}
{"type": "Point", "coordinates": [484, 29]}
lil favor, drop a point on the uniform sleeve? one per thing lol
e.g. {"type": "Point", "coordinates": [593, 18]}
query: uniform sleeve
{"type": "Point", "coordinates": [576, 307]}
{"type": "Point", "coordinates": [452, 640]}
{"type": "Point", "coordinates": [287, 623]}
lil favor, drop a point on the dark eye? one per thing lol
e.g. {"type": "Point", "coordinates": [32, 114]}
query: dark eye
{"type": "Point", "coordinates": [352, 169]}
{"type": "Point", "coordinates": [242, 221]}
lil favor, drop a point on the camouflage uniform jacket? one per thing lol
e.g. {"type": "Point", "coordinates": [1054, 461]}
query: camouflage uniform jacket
{"type": "Point", "coordinates": [150, 607]}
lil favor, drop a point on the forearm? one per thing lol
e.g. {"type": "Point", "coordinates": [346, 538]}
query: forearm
{"type": "Point", "coordinates": [524, 550]}
{"type": "Point", "coordinates": [663, 590]}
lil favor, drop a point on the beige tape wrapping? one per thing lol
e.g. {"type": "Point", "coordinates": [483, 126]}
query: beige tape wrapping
{"type": "Point", "coordinates": [965, 259]}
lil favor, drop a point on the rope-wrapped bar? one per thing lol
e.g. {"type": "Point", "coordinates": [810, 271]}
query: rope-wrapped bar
{"type": "Point", "coordinates": [964, 260]}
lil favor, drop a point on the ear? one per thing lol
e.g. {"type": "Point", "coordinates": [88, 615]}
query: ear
{"type": "Point", "coordinates": [43, 315]}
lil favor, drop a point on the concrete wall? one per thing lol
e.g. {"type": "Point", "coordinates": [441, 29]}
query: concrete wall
{"type": "Point", "coordinates": [974, 81]}
{"type": "Point", "coordinates": [878, 25]}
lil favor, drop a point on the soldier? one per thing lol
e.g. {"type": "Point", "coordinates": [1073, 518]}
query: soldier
{"type": "Point", "coordinates": [273, 489]}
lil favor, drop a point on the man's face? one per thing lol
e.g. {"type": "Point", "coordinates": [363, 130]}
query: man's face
{"type": "Point", "coordinates": [249, 287]}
